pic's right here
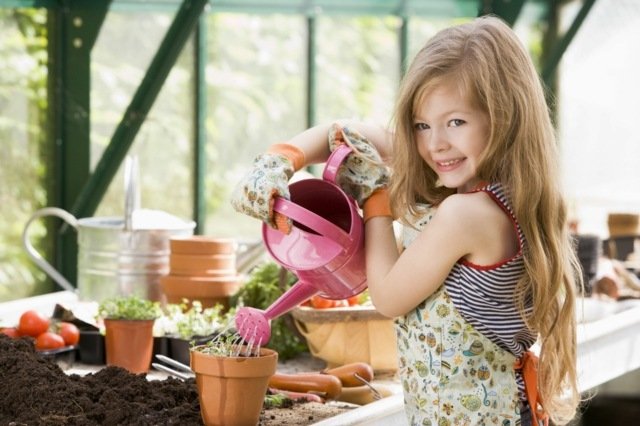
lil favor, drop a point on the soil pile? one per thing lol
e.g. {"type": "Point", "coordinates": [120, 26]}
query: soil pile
{"type": "Point", "coordinates": [35, 391]}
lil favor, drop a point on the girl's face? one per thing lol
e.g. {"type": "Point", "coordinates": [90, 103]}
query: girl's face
{"type": "Point", "coordinates": [451, 134]}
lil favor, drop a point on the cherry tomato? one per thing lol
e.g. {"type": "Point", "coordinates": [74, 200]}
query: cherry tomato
{"type": "Point", "coordinates": [49, 340]}
{"type": "Point", "coordinates": [353, 300]}
{"type": "Point", "coordinates": [33, 323]}
{"type": "Point", "coordinates": [320, 302]}
{"type": "Point", "coordinates": [10, 331]}
{"type": "Point", "coordinates": [69, 332]}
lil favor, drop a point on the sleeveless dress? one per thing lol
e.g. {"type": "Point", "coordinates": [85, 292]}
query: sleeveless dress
{"type": "Point", "coordinates": [456, 361]}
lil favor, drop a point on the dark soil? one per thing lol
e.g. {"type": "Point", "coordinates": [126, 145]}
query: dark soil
{"type": "Point", "coordinates": [36, 391]}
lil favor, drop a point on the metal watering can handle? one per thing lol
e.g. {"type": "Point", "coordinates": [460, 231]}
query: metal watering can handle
{"type": "Point", "coordinates": [131, 191]}
{"type": "Point", "coordinates": [36, 256]}
{"type": "Point", "coordinates": [312, 221]}
{"type": "Point", "coordinates": [334, 162]}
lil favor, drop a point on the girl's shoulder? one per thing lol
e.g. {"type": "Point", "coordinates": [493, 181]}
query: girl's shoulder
{"type": "Point", "coordinates": [484, 224]}
{"type": "Point", "coordinates": [472, 207]}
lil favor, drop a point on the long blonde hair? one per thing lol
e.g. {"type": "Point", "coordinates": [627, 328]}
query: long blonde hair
{"type": "Point", "coordinates": [492, 68]}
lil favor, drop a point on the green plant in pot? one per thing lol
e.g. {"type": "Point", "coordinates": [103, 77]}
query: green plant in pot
{"type": "Point", "coordinates": [128, 325]}
{"type": "Point", "coordinates": [231, 380]}
{"type": "Point", "coordinates": [189, 324]}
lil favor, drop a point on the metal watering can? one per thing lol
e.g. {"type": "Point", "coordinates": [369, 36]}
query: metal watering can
{"type": "Point", "coordinates": [325, 248]}
{"type": "Point", "coordinates": [117, 256]}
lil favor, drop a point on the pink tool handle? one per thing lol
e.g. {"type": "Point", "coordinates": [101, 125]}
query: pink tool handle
{"type": "Point", "coordinates": [312, 221]}
{"type": "Point", "coordinates": [334, 161]}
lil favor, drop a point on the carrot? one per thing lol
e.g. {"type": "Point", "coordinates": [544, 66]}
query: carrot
{"type": "Point", "coordinates": [353, 374]}
{"type": "Point", "coordinates": [325, 385]}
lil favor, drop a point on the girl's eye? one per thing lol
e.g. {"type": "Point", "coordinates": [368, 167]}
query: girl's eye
{"type": "Point", "coordinates": [421, 126]}
{"type": "Point", "coordinates": [456, 122]}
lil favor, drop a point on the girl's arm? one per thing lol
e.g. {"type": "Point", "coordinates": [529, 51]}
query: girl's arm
{"type": "Point", "coordinates": [314, 141]}
{"type": "Point", "coordinates": [468, 226]}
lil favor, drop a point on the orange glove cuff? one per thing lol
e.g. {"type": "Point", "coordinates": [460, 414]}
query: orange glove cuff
{"type": "Point", "coordinates": [293, 154]}
{"type": "Point", "coordinates": [377, 205]}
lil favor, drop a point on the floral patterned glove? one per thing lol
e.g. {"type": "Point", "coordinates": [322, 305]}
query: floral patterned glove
{"type": "Point", "coordinates": [363, 171]}
{"type": "Point", "coordinates": [269, 178]}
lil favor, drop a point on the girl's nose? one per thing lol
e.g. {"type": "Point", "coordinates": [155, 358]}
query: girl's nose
{"type": "Point", "coordinates": [437, 140]}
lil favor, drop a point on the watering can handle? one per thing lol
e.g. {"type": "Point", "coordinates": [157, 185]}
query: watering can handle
{"type": "Point", "coordinates": [334, 161]}
{"type": "Point", "coordinates": [312, 221]}
{"type": "Point", "coordinates": [131, 191]}
{"type": "Point", "coordinates": [36, 256]}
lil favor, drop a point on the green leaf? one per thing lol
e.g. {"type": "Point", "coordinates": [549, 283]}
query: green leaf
{"type": "Point", "coordinates": [129, 308]}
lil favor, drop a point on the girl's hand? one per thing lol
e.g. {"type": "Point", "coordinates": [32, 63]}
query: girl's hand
{"type": "Point", "coordinates": [363, 171]}
{"type": "Point", "coordinates": [255, 193]}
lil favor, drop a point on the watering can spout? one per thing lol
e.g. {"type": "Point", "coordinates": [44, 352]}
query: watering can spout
{"type": "Point", "coordinates": [255, 324]}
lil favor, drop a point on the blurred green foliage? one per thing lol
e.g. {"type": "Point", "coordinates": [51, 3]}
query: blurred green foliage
{"type": "Point", "coordinates": [23, 173]}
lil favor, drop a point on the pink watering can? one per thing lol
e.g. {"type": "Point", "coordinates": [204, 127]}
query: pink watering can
{"type": "Point", "coordinates": [325, 248]}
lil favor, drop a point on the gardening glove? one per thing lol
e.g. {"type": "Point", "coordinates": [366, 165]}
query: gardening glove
{"type": "Point", "coordinates": [269, 177]}
{"type": "Point", "coordinates": [362, 175]}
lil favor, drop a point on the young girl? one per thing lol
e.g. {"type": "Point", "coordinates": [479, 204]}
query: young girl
{"type": "Point", "coordinates": [491, 269]}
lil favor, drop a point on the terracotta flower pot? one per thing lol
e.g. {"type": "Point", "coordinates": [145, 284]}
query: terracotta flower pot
{"type": "Point", "coordinates": [208, 290]}
{"type": "Point", "coordinates": [231, 390]}
{"type": "Point", "coordinates": [129, 344]}
{"type": "Point", "coordinates": [202, 264]}
{"type": "Point", "coordinates": [202, 245]}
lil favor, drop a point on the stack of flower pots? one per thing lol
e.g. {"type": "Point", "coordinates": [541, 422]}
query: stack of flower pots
{"type": "Point", "coordinates": [201, 268]}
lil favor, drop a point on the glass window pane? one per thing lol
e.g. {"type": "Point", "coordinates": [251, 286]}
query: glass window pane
{"type": "Point", "coordinates": [358, 66]}
{"type": "Point", "coordinates": [23, 162]}
{"type": "Point", "coordinates": [599, 100]}
{"type": "Point", "coordinates": [164, 144]}
{"type": "Point", "coordinates": [256, 76]}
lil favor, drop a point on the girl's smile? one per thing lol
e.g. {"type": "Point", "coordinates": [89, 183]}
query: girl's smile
{"type": "Point", "coordinates": [451, 134]}
{"type": "Point", "coordinates": [449, 165]}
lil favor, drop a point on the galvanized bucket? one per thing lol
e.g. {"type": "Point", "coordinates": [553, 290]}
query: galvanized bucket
{"type": "Point", "coordinates": [117, 256]}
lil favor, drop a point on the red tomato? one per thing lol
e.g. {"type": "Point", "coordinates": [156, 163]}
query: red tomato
{"type": "Point", "coordinates": [10, 331]}
{"type": "Point", "coordinates": [353, 300]}
{"type": "Point", "coordinates": [320, 302]}
{"type": "Point", "coordinates": [49, 340]}
{"type": "Point", "coordinates": [33, 323]}
{"type": "Point", "coordinates": [69, 333]}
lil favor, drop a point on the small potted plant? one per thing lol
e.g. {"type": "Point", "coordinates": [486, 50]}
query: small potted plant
{"type": "Point", "coordinates": [188, 324]}
{"type": "Point", "coordinates": [128, 323]}
{"type": "Point", "coordinates": [232, 380]}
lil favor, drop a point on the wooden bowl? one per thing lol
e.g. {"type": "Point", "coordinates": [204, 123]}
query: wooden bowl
{"type": "Point", "coordinates": [351, 334]}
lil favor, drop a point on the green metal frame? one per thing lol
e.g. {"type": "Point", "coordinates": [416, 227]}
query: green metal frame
{"type": "Point", "coordinates": [509, 10]}
{"type": "Point", "coordinates": [558, 49]}
{"type": "Point", "coordinates": [176, 37]}
{"type": "Point", "coordinates": [199, 128]}
{"type": "Point", "coordinates": [73, 28]}
{"type": "Point", "coordinates": [311, 70]}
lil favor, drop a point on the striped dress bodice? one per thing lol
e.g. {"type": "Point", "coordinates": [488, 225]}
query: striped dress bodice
{"type": "Point", "coordinates": [484, 294]}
